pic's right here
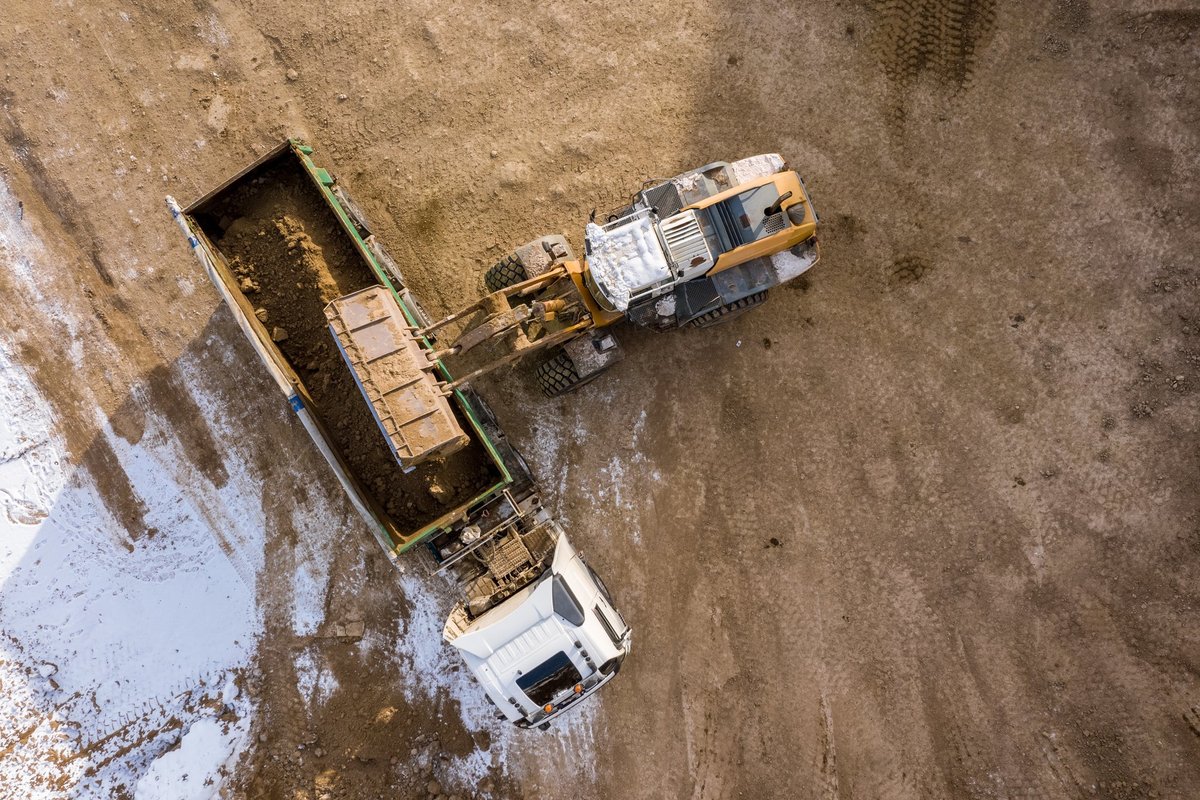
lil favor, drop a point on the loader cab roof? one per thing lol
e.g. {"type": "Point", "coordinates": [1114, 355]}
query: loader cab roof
{"type": "Point", "coordinates": [626, 259]}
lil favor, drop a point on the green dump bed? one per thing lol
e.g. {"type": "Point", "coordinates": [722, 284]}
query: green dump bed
{"type": "Point", "coordinates": [281, 241]}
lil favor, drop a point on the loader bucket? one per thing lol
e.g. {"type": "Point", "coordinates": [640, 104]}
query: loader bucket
{"type": "Point", "coordinates": [395, 376]}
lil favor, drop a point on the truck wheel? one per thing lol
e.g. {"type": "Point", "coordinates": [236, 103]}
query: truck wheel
{"type": "Point", "coordinates": [356, 215]}
{"type": "Point", "coordinates": [729, 311]}
{"type": "Point", "coordinates": [506, 272]}
{"type": "Point", "coordinates": [557, 375]}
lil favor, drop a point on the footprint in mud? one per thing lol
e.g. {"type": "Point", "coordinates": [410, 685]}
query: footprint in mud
{"type": "Point", "coordinates": [906, 271]}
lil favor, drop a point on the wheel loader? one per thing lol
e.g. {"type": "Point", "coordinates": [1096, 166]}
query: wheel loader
{"type": "Point", "coordinates": [535, 624]}
{"type": "Point", "coordinates": [698, 250]}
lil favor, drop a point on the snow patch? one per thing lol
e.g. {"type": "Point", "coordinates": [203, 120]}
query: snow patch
{"type": "Point", "coordinates": [23, 255]}
{"type": "Point", "coordinates": [788, 265]}
{"type": "Point", "coordinates": [110, 637]}
{"type": "Point", "coordinates": [195, 770]}
{"type": "Point", "coordinates": [315, 682]}
{"type": "Point", "coordinates": [310, 580]}
{"type": "Point", "coordinates": [748, 169]}
{"type": "Point", "coordinates": [32, 463]}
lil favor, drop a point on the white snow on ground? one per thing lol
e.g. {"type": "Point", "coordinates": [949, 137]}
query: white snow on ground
{"type": "Point", "coordinates": [760, 166]}
{"type": "Point", "coordinates": [125, 640]}
{"type": "Point", "coordinates": [549, 451]}
{"type": "Point", "coordinates": [31, 461]}
{"type": "Point", "coordinates": [111, 639]}
{"type": "Point", "coordinates": [193, 771]}
{"type": "Point", "coordinates": [314, 554]}
{"type": "Point", "coordinates": [21, 253]}
{"type": "Point", "coordinates": [316, 682]}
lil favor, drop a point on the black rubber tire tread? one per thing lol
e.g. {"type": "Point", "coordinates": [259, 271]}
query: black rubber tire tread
{"type": "Point", "coordinates": [557, 375]}
{"type": "Point", "coordinates": [623, 211]}
{"type": "Point", "coordinates": [506, 272]}
{"type": "Point", "coordinates": [729, 311]}
{"type": "Point", "coordinates": [353, 211]}
{"type": "Point", "coordinates": [938, 37]}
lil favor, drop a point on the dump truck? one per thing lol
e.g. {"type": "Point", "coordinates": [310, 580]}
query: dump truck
{"type": "Point", "coordinates": [698, 249]}
{"type": "Point", "coordinates": [420, 454]}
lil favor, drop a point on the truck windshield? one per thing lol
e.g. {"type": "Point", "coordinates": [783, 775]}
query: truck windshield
{"type": "Point", "coordinates": [549, 679]}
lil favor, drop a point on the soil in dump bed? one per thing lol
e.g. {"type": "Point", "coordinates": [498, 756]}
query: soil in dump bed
{"type": "Point", "coordinates": [292, 257]}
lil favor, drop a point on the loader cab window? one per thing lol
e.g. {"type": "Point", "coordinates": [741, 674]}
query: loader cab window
{"type": "Point", "coordinates": [549, 679]}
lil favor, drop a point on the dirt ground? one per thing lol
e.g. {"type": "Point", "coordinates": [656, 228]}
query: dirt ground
{"type": "Point", "coordinates": [924, 525]}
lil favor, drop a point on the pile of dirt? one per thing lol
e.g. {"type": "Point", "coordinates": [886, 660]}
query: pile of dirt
{"type": "Point", "coordinates": [292, 258]}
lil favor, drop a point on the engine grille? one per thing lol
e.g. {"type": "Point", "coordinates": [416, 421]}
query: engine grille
{"type": "Point", "coordinates": [664, 199]}
{"type": "Point", "coordinates": [774, 223]}
{"type": "Point", "coordinates": [685, 242]}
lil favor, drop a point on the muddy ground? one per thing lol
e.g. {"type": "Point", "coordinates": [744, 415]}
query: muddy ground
{"type": "Point", "coordinates": [924, 525]}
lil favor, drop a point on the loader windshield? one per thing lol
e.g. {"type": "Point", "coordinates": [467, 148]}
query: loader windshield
{"type": "Point", "coordinates": [597, 292]}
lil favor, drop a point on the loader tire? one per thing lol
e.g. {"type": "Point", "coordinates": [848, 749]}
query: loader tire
{"type": "Point", "coordinates": [620, 213]}
{"type": "Point", "coordinates": [506, 272]}
{"type": "Point", "coordinates": [557, 375]}
{"type": "Point", "coordinates": [729, 311]}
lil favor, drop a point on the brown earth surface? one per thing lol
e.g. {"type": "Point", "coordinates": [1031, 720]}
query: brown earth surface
{"type": "Point", "coordinates": [926, 524]}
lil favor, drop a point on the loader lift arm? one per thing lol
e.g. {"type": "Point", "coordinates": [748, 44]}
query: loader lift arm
{"type": "Point", "coordinates": [541, 309]}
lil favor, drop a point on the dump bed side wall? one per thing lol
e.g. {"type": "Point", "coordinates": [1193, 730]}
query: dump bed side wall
{"type": "Point", "coordinates": [390, 537]}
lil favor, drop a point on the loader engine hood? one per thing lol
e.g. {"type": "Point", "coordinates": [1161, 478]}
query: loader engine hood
{"type": "Point", "coordinates": [549, 645]}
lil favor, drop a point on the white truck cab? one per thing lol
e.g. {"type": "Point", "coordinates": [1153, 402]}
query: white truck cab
{"type": "Point", "coordinates": [547, 646]}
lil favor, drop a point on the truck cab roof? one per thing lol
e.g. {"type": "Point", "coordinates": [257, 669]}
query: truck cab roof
{"type": "Point", "coordinates": [549, 644]}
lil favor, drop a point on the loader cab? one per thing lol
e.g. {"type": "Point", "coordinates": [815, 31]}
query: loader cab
{"type": "Point", "coordinates": [767, 216]}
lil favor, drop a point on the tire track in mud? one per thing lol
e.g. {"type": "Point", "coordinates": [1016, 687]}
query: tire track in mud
{"type": "Point", "coordinates": [932, 37]}
{"type": "Point", "coordinates": [738, 708]}
{"type": "Point", "coordinates": [54, 193]}
{"type": "Point", "coordinates": [827, 777]}
{"type": "Point", "coordinates": [937, 39]}
{"type": "Point", "coordinates": [702, 700]}
{"type": "Point", "coordinates": [884, 623]}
